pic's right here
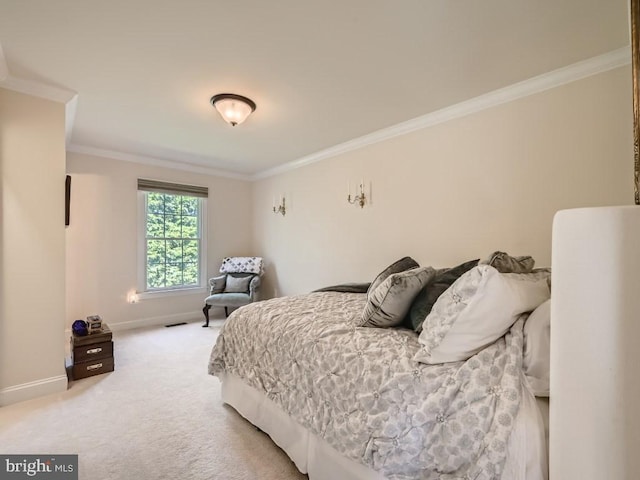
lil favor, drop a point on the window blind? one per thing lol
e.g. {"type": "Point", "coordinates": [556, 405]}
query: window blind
{"type": "Point", "coordinates": [172, 188]}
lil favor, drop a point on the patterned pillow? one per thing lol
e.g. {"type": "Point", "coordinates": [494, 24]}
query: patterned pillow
{"type": "Point", "coordinates": [237, 284]}
{"type": "Point", "coordinates": [402, 265]}
{"type": "Point", "coordinates": [475, 311]}
{"type": "Point", "coordinates": [241, 265]}
{"type": "Point", "coordinates": [423, 303]}
{"type": "Point", "coordinates": [388, 304]}
{"type": "Point", "coordinates": [505, 263]}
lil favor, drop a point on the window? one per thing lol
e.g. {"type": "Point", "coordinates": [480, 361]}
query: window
{"type": "Point", "coordinates": [172, 243]}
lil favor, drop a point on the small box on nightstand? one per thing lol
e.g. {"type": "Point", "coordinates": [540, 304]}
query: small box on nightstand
{"type": "Point", "coordinates": [92, 354]}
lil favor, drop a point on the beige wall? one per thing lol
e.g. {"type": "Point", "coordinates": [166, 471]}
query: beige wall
{"type": "Point", "coordinates": [455, 191]}
{"type": "Point", "coordinates": [32, 246]}
{"type": "Point", "coordinates": [102, 242]}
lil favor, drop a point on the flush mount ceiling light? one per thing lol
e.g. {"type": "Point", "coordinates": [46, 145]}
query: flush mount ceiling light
{"type": "Point", "coordinates": [234, 108]}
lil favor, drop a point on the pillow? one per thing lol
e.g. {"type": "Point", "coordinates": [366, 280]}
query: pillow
{"type": "Point", "coordinates": [241, 265]}
{"type": "Point", "coordinates": [402, 265]}
{"type": "Point", "coordinates": [477, 310]}
{"type": "Point", "coordinates": [505, 263]}
{"type": "Point", "coordinates": [423, 303]}
{"type": "Point", "coordinates": [537, 349]}
{"type": "Point", "coordinates": [544, 271]}
{"type": "Point", "coordinates": [388, 304]}
{"type": "Point", "coordinates": [217, 284]}
{"type": "Point", "coordinates": [238, 284]}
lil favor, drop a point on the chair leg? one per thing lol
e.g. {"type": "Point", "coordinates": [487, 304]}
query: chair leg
{"type": "Point", "coordinates": [205, 310]}
{"type": "Point", "coordinates": [226, 312]}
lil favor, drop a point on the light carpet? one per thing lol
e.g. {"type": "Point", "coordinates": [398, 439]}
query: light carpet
{"type": "Point", "coordinates": [157, 416]}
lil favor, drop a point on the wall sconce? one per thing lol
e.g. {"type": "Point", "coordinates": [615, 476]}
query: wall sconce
{"type": "Point", "coordinates": [359, 199]}
{"type": "Point", "coordinates": [281, 206]}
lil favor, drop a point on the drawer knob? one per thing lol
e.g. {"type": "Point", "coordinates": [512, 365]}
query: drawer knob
{"type": "Point", "coordinates": [94, 350]}
{"type": "Point", "coordinates": [94, 367]}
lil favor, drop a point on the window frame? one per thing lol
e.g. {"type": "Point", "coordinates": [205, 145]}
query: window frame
{"type": "Point", "coordinates": [141, 290]}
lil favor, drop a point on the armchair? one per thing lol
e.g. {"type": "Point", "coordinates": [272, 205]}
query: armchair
{"type": "Point", "coordinates": [238, 285]}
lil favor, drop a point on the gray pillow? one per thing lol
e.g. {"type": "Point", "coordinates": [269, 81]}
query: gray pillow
{"type": "Point", "coordinates": [402, 265]}
{"type": "Point", "coordinates": [238, 284]}
{"type": "Point", "coordinates": [217, 284]}
{"type": "Point", "coordinates": [426, 298]}
{"type": "Point", "coordinates": [388, 304]}
{"type": "Point", "coordinates": [505, 263]}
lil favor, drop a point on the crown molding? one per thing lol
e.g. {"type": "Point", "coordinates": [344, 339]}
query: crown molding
{"type": "Point", "coordinates": [571, 73]}
{"type": "Point", "coordinates": [38, 89]}
{"type": "Point", "coordinates": [155, 162]}
{"type": "Point", "coordinates": [48, 92]}
{"type": "Point", "coordinates": [69, 118]}
{"type": "Point", "coordinates": [556, 78]}
{"type": "Point", "coordinates": [42, 90]}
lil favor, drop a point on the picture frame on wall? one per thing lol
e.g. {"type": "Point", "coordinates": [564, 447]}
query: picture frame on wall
{"type": "Point", "coordinates": [67, 200]}
{"type": "Point", "coordinates": [635, 62]}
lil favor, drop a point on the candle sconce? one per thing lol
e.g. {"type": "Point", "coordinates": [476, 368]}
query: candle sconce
{"type": "Point", "coordinates": [359, 199]}
{"type": "Point", "coordinates": [281, 208]}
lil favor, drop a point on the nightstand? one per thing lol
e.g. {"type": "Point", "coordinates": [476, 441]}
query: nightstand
{"type": "Point", "coordinates": [92, 354]}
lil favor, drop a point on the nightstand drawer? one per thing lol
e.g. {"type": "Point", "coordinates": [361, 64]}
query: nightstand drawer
{"type": "Point", "coordinates": [95, 367]}
{"type": "Point", "coordinates": [94, 351]}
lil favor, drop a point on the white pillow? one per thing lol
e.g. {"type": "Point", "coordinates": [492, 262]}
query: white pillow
{"type": "Point", "coordinates": [475, 311]}
{"type": "Point", "coordinates": [537, 349]}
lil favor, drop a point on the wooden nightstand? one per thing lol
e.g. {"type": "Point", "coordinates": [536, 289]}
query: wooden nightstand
{"type": "Point", "coordinates": [92, 354]}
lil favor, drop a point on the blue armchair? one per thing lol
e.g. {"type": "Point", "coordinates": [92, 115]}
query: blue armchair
{"type": "Point", "coordinates": [238, 285]}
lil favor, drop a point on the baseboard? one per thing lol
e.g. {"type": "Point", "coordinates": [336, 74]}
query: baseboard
{"type": "Point", "coordinates": [38, 388]}
{"type": "Point", "coordinates": [157, 321]}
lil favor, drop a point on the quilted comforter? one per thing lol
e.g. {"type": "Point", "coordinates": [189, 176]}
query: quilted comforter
{"type": "Point", "coordinates": [359, 389]}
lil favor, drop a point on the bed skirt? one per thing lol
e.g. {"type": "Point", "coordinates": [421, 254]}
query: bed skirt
{"type": "Point", "coordinates": [527, 459]}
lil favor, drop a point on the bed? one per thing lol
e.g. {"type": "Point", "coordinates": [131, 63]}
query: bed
{"type": "Point", "coordinates": [349, 398]}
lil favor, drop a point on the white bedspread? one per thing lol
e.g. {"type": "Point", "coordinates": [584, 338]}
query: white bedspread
{"type": "Point", "coordinates": [359, 390]}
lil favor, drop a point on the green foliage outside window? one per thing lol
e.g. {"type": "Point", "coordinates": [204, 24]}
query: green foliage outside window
{"type": "Point", "coordinates": [173, 240]}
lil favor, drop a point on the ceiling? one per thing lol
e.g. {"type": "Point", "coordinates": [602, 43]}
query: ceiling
{"type": "Point", "coordinates": [321, 73]}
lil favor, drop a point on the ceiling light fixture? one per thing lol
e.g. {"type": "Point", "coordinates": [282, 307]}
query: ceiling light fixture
{"type": "Point", "coordinates": [234, 108]}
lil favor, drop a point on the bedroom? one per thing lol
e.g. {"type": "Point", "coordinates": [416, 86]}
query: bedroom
{"type": "Point", "coordinates": [429, 188]}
